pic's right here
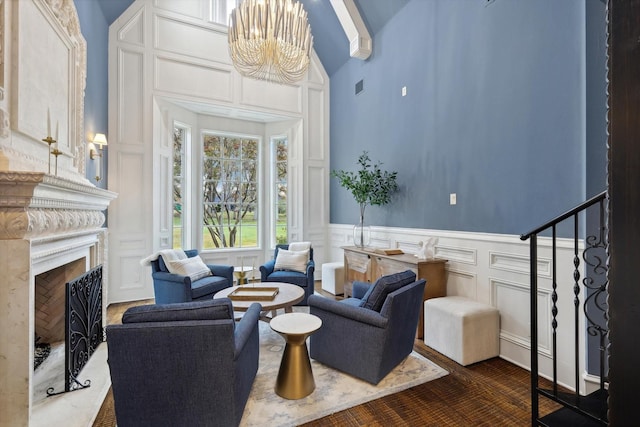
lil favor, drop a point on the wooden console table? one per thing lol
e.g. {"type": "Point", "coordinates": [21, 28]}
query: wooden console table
{"type": "Point", "coordinates": [366, 265]}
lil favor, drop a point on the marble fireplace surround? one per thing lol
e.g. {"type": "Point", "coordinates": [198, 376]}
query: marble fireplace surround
{"type": "Point", "coordinates": [45, 222]}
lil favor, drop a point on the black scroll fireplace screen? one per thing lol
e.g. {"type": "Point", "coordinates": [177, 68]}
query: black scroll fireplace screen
{"type": "Point", "coordinates": [83, 326]}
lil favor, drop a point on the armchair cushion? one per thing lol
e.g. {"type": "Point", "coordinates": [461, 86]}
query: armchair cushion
{"type": "Point", "coordinates": [377, 294]}
{"type": "Point", "coordinates": [193, 267]}
{"type": "Point", "coordinates": [292, 260]}
{"type": "Point", "coordinates": [208, 286]}
{"type": "Point", "coordinates": [198, 310]}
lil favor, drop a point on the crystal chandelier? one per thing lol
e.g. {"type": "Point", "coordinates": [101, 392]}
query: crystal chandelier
{"type": "Point", "coordinates": [270, 40]}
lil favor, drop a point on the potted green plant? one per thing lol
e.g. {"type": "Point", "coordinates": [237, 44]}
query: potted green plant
{"type": "Point", "coordinates": [369, 186]}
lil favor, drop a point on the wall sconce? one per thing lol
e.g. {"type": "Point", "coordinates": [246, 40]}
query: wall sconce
{"type": "Point", "coordinates": [101, 140]}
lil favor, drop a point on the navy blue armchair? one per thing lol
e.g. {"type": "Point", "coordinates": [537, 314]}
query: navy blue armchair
{"type": "Point", "coordinates": [370, 334]}
{"type": "Point", "coordinates": [304, 280]}
{"type": "Point", "coordinates": [185, 364]}
{"type": "Point", "coordinates": [170, 288]}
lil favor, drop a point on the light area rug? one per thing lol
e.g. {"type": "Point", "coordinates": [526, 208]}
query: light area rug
{"type": "Point", "coordinates": [335, 391]}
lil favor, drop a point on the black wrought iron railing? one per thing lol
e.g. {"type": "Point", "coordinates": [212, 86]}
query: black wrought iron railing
{"type": "Point", "coordinates": [590, 296]}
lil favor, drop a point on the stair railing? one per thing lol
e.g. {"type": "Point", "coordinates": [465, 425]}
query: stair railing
{"type": "Point", "coordinates": [594, 305]}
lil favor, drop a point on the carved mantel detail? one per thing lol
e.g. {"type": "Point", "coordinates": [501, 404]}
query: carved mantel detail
{"type": "Point", "coordinates": [34, 204]}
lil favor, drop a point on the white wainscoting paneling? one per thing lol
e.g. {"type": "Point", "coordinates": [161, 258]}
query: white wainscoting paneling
{"type": "Point", "coordinates": [494, 269]}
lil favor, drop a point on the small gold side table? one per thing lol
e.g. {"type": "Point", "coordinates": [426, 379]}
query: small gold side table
{"type": "Point", "coordinates": [295, 377]}
{"type": "Point", "coordinates": [241, 274]}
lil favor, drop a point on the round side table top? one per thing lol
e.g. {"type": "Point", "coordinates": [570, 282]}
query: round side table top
{"type": "Point", "coordinates": [295, 323]}
{"type": "Point", "coordinates": [287, 296]}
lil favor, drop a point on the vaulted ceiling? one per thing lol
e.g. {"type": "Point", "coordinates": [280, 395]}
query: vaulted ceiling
{"type": "Point", "coordinates": [330, 42]}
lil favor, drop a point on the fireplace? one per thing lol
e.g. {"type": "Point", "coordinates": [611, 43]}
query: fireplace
{"type": "Point", "coordinates": [50, 214]}
{"type": "Point", "coordinates": [49, 226]}
{"type": "Point", "coordinates": [68, 313]}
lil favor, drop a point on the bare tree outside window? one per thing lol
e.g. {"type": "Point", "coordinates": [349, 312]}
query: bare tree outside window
{"type": "Point", "coordinates": [178, 205]}
{"type": "Point", "coordinates": [281, 189]}
{"type": "Point", "coordinates": [230, 192]}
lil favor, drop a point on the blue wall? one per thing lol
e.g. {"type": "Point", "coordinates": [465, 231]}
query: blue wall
{"type": "Point", "coordinates": [495, 112]}
{"type": "Point", "coordinates": [96, 32]}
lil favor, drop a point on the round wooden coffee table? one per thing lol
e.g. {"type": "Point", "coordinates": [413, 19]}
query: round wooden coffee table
{"type": "Point", "coordinates": [288, 295]}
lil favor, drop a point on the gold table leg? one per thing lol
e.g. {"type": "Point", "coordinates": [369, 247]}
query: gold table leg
{"type": "Point", "coordinates": [242, 277]}
{"type": "Point", "coordinates": [295, 378]}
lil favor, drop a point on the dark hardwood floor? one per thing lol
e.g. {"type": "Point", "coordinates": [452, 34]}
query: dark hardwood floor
{"type": "Point", "coordinates": [490, 393]}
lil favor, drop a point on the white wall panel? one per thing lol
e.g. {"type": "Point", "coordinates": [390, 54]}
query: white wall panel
{"type": "Point", "coordinates": [519, 263]}
{"type": "Point", "coordinates": [182, 78]}
{"type": "Point", "coordinates": [131, 276]}
{"type": "Point", "coordinates": [192, 8]}
{"type": "Point", "coordinates": [188, 39]}
{"type": "Point", "coordinates": [133, 30]}
{"type": "Point", "coordinates": [131, 244]}
{"type": "Point", "coordinates": [131, 205]}
{"type": "Point", "coordinates": [316, 108]}
{"type": "Point", "coordinates": [464, 255]}
{"type": "Point", "coordinates": [256, 93]}
{"type": "Point", "coordinates": [512, 300]}
{"type": "Point", "coordinates": [315, 204]}
{"type": "Point", "coordinates": [130, 97]}
{"type": "Point", "coordinates": [461, 283]}
{"type": "Point", "coordinates": [316, 75]}
{"type": "Point", "coordinates": [165, 197]}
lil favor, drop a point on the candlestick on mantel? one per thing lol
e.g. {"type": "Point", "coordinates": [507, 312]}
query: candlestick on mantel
{"type": "Point", "coordinates": [56, 153]}
{"type": "Point", "coordinates": [48, 123]}
{"type": "Point", "coordinates": [49, 141]}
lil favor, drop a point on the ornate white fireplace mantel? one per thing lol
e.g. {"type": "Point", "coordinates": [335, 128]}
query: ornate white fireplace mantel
{"type": "Point", "coordinates": [36, 204]}
{"type": "Point", "coordinates": [45, 222]}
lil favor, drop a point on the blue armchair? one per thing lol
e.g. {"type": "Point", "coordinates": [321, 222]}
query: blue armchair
{"type": "Point", "coordinates": [304, 280]}
{"type": "Point", "coordinates": [170, 288]}
{"type": "Point", "coordinates": [185, 364]}
{"type": "Point", "coordinates": [370, 334]}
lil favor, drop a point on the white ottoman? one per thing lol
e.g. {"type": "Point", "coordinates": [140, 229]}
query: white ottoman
{"type": "Point", "coordinates": [462, 329]}
{"type": "Point", "coordinates": [333, 277]}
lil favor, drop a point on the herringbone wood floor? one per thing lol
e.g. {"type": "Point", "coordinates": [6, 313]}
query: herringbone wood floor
{"type": "Point", "coordinates": [490, 393]}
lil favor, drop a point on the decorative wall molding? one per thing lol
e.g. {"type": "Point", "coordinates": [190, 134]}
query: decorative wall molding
{"type": "Point", "coordinates": [66, 13]}
{"type": "Point", "coordinates": [518, 263]}
{"type": "Point", "coordinates": [465, 255]}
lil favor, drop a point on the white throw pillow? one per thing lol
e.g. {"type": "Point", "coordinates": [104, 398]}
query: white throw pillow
{"type": "Point", "coordinates": [193, 267]}
{"type": "Point", "coordinates": [292, 260]}
{"type": "Point", "coordinates": [299, 246]}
